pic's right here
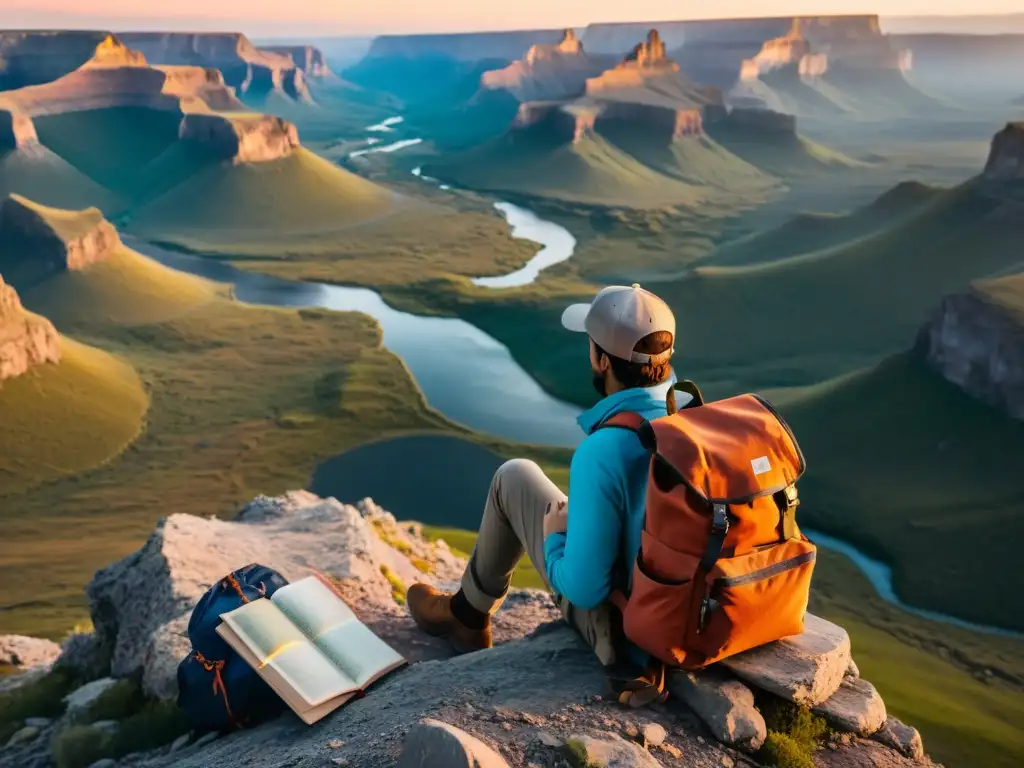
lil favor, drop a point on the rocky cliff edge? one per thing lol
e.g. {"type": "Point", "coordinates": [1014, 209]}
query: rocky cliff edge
{"type": "Point", "coordinates": [54, 240]}
{"type": "Point", "coordinates": [242, 138]}
{"type": "Point", "coordinates": [26, 341]}
{"type": "Point", "coordinates": [1006, 157]}
{"type": "Point", "coordinates": [536, 699]}
{"type": "Point", "coordinates": [975, 339]}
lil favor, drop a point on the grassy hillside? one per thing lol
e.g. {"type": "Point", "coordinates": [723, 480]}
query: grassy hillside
{"type": "Point", "coordinates": [814, 232]}
{"type": "Point", "coordinates": [125, 287]}
{"type": "Point", "coordinates": [66, 418]}
{"type": "Point", "coordinates": [908, 467]}
{"type": "Point", "coordinates": [780, 154]}
{"type": "Point", "coordinates": [538, 163]}
{"type": "Point", "coordinates": [699, 161]}
{"type": "Point", "coordinates": [299, 196]}
{"type": "Point", "coordinates": [791, 322]}
{"type": "Point", "coordinates": [110, 145]}
{"type": "Point", "coordinates": [39, 174]}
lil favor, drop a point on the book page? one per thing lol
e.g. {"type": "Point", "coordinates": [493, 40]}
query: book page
{"type": "Point", "coordinates": [355, 649]}
{"type": "Point", "coordinates": [312, 606]}
{"type": "Point", "coordinates": [276, 642]}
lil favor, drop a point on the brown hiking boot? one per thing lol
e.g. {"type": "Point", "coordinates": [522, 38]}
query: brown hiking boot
{"type": "Point", "coordinates": [432, 612]}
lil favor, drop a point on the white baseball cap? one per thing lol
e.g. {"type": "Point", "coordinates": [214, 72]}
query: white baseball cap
{"type": "Point", "coordinates": [619, 317]}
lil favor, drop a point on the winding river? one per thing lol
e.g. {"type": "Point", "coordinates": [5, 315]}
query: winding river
{"type": "Point", "coordinates": [468, 375]}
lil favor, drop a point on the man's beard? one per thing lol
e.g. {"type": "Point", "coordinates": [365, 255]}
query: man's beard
{"type": "Point", "coordinates": [599, 384]}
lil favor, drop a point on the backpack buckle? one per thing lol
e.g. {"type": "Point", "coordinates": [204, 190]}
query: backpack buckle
{"type": "Point", "coordinates": [720, 520]}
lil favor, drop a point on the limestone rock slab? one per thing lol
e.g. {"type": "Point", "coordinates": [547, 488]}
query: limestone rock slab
{"type": "Point", "coordinates": [725, 705]}
{"type": "Point", "coordinates": [806, 668]}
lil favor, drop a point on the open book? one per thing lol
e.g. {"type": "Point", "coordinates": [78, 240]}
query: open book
{"type": "Point", "coordinates": [309, 646]}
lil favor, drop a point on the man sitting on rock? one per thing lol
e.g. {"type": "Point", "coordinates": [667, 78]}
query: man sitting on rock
{"type": "Point", "coordinates": [631, 334]}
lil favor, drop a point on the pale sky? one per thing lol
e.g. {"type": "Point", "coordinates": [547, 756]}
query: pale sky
{"type": "Point", "coordinates": [326, 17]}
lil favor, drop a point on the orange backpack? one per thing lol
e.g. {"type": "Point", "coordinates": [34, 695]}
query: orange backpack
{"type": "Point", "coordinates": [722, 565]}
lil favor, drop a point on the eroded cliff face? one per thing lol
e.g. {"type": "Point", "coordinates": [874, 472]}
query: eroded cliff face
{"type": "Point", "coordinates": [26, 340]}
{"type": "Point", "coordinates": [250, 70]}
{"type": "Point", "coordinates": [308, 58]}
{"type": "Point", "coordinates": [976, 340]}
{"type": "Point", "coordinates": [812, 45]}
{"type": "Point", "coordinates": [1006, 157]}
{"type": "Point", "coordinates": [94, 88]}
{"type": "Point", "coordinates": [647, 60]}
{"type": "Point", "coordinates": [242, 139]}
{"type": "Point", "coordinates": [39, 241]}
{"type": "Point", "coordinates": [547, 72]}
{"type": "Point", "coordinates": [17, 131]}
{"type": "Point", "coordinates": [34, 57]}
{"type": "Point", "coordinates": [199, 88]}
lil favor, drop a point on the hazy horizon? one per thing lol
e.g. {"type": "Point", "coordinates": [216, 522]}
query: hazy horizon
{"type": "Point", "coordinates": [319, 18]}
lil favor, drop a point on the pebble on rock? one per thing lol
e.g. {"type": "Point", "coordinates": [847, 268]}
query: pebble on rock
{"type": "Point", "coordinates": [653, 734]}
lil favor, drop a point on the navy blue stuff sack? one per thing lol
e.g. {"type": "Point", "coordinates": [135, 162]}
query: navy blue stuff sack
{"type": "Point", "coordinates": [217, 689]}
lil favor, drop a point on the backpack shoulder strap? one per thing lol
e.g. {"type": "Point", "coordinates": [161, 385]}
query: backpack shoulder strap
{"type": "Point", "coordinates": [624, 420]}
{"type": "Point", "coordinates": [687, 386]}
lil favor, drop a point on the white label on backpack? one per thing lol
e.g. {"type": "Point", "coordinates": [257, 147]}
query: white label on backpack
{"type": "Point", "coordinates": [761, 465]}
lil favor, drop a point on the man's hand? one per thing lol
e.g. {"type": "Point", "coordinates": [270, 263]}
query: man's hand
{"type": "Point", "coordinates": [556, 518]}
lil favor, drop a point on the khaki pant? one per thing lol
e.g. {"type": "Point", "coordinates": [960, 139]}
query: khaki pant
{"type": "Point", "coordinates": [513, 523]}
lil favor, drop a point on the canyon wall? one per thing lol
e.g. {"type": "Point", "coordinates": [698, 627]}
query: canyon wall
{"type": "Point", "coordinates": [34, 57]}
{"type": "Point", "coordinates": [645, 61]}
{"type": "Point", "coordinates": [509, 45]}
{"type": "Point", "coordinates": [976, 340]}
{"type": "Point", "coordinates": [243, 138]}
{"type": "Point", "coordinates": [308, 58]}
{"type": "Point", "coordinates": [1006, 157]}
{"type": "Point", "coordinates": [199, 88]}
{"type": "Point", "coordinates": [814, 45]}
{"type": "Point", "coordinates": [250, 70]}
{"type": "Point", "coordinates": [547, 72]}
{"type": "Point", "coordinates": [26, 340]}
{"type": "Point", "coordinates": [661, 124]}
{"type": "Point", "coordinates": [93, 88]}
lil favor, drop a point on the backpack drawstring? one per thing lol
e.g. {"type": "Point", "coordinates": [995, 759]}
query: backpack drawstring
{"type": "Point", "coordinates": [233, 582]}
{"type": "Point", "coordinates": [218, 682]}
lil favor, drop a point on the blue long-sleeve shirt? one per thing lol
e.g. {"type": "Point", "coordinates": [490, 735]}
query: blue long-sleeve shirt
{"type": "Point", "coordinates": [607, 486]}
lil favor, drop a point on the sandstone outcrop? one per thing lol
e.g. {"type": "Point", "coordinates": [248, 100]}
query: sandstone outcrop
{"type": "Point", "coordinates": [1006, 157]}
{"type": "Point", "coordinates": [18, 650]}
{"type": "Point", "coordinates": [251, 71]}
{"type": "Point", "coordinates": [39, 241]}
{"type": "Point", "coordinates": [308, 58]}
{"type": "Point", "coordinates": [647, 59]}
{"type": "Point", "coordinates": [94, 88]}
{"type": "Point", "coordinates": [548, 72]}
{"type": "Point", "coordinates": [975, 339]}
{"type": "Point", "coordinates": [199, 89]}
{"type": "Point", "coordinates": [494, 708]}
{"type": "Point", "coordinates": [26, 340]}
{"type": "Point", "coordinates": [241, 138]}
